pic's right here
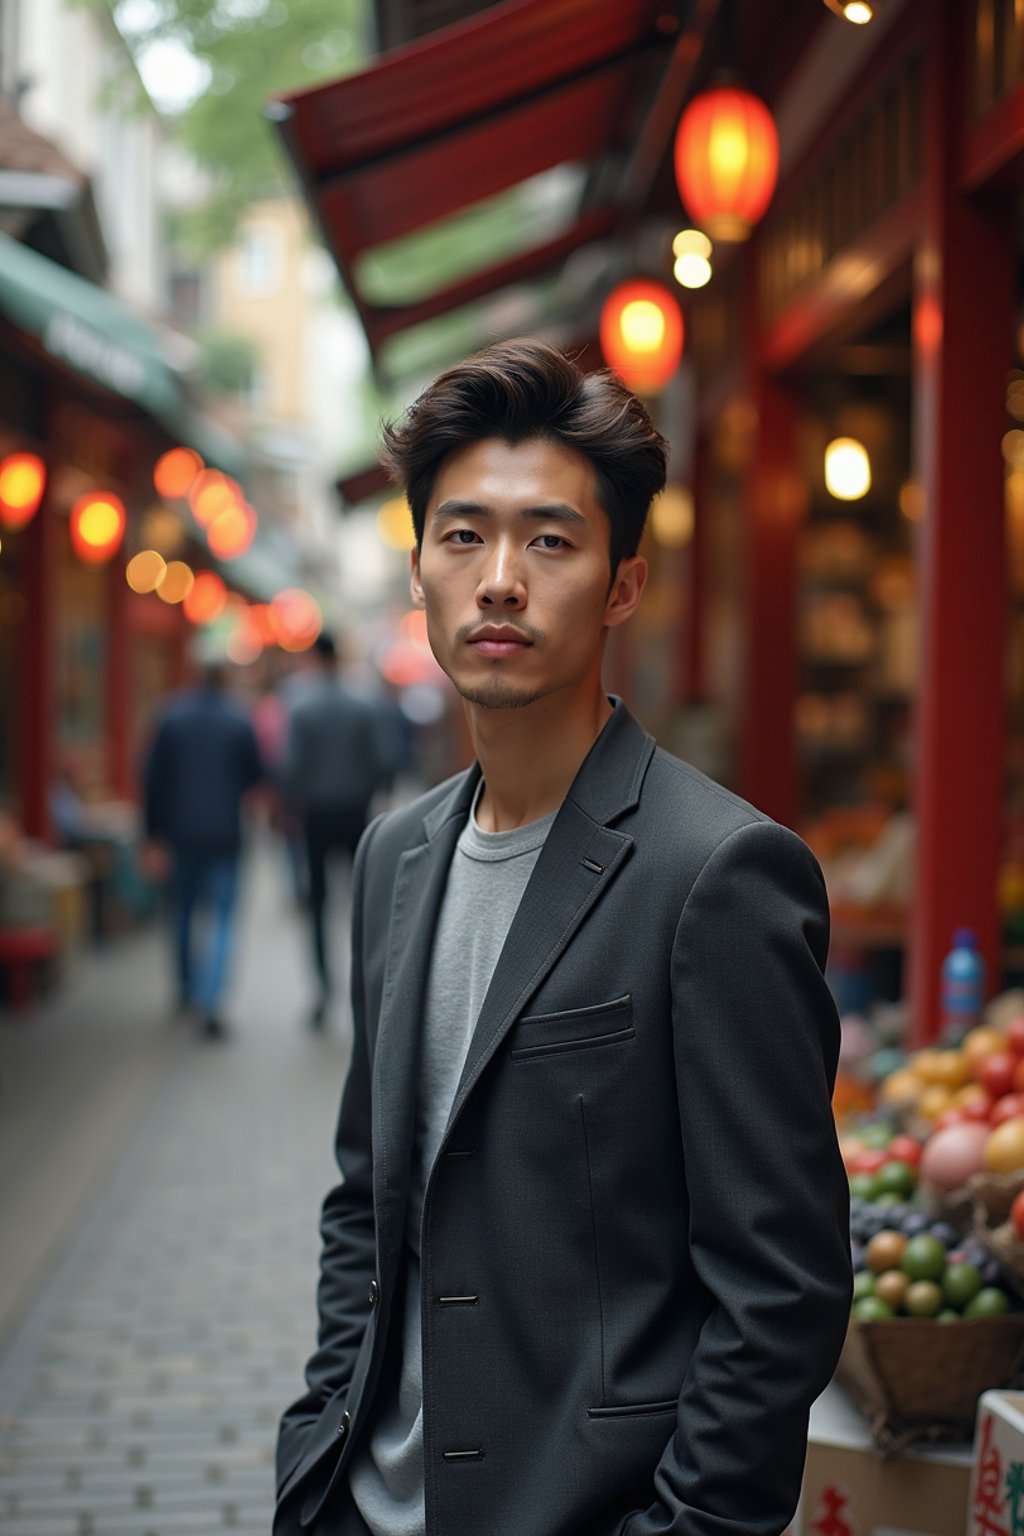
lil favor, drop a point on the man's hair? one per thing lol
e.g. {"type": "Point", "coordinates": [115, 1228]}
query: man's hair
{"type": "Point", "coordinates": [518, 390]}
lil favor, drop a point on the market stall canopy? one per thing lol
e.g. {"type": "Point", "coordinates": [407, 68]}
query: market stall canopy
{"type": "Point", "coordinates": [528, 115]}
{"type": "Point", "coordinates": [90, 332]}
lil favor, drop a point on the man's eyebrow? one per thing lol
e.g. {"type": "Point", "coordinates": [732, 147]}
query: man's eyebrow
{"type": "Point", "coordinates": [547, 511]}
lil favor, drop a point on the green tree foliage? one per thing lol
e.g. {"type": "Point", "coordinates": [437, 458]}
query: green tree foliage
{"type": "Point", "coordinates": [250, 50]}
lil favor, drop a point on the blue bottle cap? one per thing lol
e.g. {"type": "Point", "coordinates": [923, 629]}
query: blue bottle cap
{"type": "Point", "coordinates": [964, 938]}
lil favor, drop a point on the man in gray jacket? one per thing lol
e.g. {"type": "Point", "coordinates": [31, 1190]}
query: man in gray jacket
{"type": "Point", "coordinates": [588, 1264]}
{"type": "Point", "coordinates": [333, 765]}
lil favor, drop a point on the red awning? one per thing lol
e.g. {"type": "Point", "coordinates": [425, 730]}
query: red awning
{"type": "Point", "coordinates": [442, 124]}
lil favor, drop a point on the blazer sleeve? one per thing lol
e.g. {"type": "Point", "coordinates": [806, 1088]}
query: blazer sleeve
{"type": "Point", "coordinates": [348, 1246]}
{"type": "Point", "coordinates": [756, 1046]}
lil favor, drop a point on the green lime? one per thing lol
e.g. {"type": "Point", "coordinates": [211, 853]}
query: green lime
{"type": "Point", "coordinates": [888, 1197]}
{"type": "Point", "coordinates": [896, 1178]}
{"type": "Point", "coordinates": [947, 1315]}
{"type": "Point", "coordinates": [876, 1136]}
{"type": "Point", "coordinates": [923, 1299]}
{"type": "Point", "coordinates": [864, 1186]}
{"type": "Point", "coordinates": [924, 1258]}
{"type": "Point", "coordinates": [989, 1302]}
{"type": "Point", "coordinates": [871, 1309]}
{"type": "Point", "coordinates": [863, 1284]}
{"type": "Point", "coordinates": [960, 1283]}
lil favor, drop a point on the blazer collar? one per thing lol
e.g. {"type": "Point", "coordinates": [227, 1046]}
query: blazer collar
{"type": "Point", "coordinates": [607, 783]}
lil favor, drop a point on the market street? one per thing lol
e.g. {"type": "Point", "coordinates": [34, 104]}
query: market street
{"type": "Point", "coordinates": [172, 1289]}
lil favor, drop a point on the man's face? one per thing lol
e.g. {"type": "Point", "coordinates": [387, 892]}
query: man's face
{"type": "Point", "coordinates": [514, 572]}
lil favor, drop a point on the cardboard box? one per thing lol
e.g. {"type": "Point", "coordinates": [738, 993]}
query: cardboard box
{"type": "Point", "coordinates": [850, 1489]}
{"type": "Point", "coordinates": [995, 1504]}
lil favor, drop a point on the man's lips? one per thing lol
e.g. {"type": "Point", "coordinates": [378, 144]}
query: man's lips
{"type": "Point", "coordinates": [499, 642]}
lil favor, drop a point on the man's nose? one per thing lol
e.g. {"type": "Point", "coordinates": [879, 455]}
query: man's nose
{"type": "Point", "coordinates": [501, 583]}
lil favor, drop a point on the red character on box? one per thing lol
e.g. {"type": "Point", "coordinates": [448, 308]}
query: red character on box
{"type": "Point", "coordinates": [988, 1487]}
{"type": "Point", "coordinates": [831, 1519]}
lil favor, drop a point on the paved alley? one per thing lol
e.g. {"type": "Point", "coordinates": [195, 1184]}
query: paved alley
{"type": "Point", "coordinates": [148, 1356]}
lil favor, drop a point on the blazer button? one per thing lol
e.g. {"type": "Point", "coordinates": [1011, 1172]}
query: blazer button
{"type": "Point", "coordinates": [343, 1426]}
{"type": "Point", "coordinates": [374, 1293]}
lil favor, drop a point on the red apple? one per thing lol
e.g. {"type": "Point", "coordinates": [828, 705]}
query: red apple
{"type": "Point", "coordinates": [996, 1071]}
{"type": "Point", "coordinates": [1007, 1108]}
{"type": "Point", "coordinates": [904, 1149]}
{"type": "Point", "coordinates": [950, 1116]}
{"type": "Point", "coordinates": [975, 1103]}
{"type": "Point", "coordinates": [868, 1161]}
{"type": "Point", "coordinates": [1018, 1077]}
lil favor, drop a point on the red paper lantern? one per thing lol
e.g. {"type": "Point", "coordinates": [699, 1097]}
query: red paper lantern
{"type": "Point", "coordinates": [642, 334]}
{"type": "Point", "coordinates": [727, 161]}
{"type": "Point", "coordinates": [22, 482]}
{"type": "Point", "coordinates": [97, 526]}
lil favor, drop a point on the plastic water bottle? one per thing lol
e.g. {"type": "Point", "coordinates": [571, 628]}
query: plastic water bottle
{"type": "Point", "coordinates": [963, 986]}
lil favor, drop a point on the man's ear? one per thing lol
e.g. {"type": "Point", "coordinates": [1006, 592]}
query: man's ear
{"type": "Point", "coordinates": [626, 591]}
{"type": "Point", "coordinates": [415, 584]}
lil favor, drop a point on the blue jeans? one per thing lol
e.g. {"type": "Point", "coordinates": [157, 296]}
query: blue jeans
{"type": "Point", "coordinates": [205, 883]}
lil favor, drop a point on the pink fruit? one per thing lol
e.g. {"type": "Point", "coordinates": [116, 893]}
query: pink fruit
{"type": "Point", "coordinates": [954, 1154]}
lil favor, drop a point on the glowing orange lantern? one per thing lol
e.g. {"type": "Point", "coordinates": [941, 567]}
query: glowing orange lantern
{"type": "Point", "coordinates": [97, 526]}
{"type": "Point", "coordinates": [232, 530]}
{"type": "Point", "coordinates": [207, 599]}
{"type": "Point", "coordinates": [642, 334]}
{"type": "Point", "coordinates": [22, 481]}
{"type": "Point", "coordinates": [727, 160]}
{"type": "Point", "coordinates": [175, 471]}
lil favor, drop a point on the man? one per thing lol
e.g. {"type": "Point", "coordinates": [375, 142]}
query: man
{"type": "Point", "coordinates": [588, 1265]}
{"type": "Point", "coordinates": [333, 764]}
{"type": "Point", "coordinates": [202, 762]}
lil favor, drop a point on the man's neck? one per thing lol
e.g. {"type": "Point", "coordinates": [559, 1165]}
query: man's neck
{"type": "Point", "coordinates": [530, 756]}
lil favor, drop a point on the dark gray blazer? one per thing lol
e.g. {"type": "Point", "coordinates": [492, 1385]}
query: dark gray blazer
{"type": "Point", "coordinates": [639, 1184]}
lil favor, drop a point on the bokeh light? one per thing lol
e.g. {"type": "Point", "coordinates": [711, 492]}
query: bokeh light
{"type": "Point", "coordinates": [175, 472]}
{"type": "Point", "coordinates": [394, 524]}
{"type": "Point", "coordinates": [145, 571]}
{"type": "Point", "coordinates": [847, 469]}
{"type": "Point", "coordinates": [176, 583]}
{"type": "Point", "coordinates": [207, 599]}
{"type": "Point", "coordinates": [232, 530]}
{"type": "Point", "coordinates": [97, 526]}
{"type": "Point", "coordinates": [672, 517]}
{"type": "Point", "coordinates": [297, 619]}
{"type": "Point", "coordinates": [22, 482]}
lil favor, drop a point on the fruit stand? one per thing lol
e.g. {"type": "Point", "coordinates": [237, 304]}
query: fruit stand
{"type": "Point", "coordinates": [933, 1144]}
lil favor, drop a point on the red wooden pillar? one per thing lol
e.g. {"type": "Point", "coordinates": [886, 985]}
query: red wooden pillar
{"type": "Point", "coordinates": [35, 698]}
{"type": "Point", "coordinates": [118, 681]}
{"type": "Point", "coordinates": [963, 330]}
{"type": "Point", "coordinates": [691, 678]}
{"type": "Point", "coordinates": [773, 512]}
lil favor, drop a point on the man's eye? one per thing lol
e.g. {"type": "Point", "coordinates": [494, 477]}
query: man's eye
{"type": "Point", "coordinates": [553, 541]}
{"type": "Point", "coordinates": [462, 535]}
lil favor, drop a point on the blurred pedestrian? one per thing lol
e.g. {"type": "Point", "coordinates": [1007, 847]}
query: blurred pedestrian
{"type": "Point", "coordinates": [334, 763]}
{"type": "Point", "coordinates": [202, 762]}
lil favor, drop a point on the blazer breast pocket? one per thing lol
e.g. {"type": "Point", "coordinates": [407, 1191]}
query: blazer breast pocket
{"type": "Point", "coordinates": [577, 1029]}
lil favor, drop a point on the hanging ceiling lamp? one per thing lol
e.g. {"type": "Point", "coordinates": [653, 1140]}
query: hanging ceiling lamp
{"type": "Point", "coordinates": [642, 334]}
{"type": "Point", "coordinates": [860, 12]}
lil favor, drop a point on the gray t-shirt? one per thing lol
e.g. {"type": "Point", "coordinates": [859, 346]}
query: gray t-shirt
{"type": "Point", "coordinates": [488, 875]}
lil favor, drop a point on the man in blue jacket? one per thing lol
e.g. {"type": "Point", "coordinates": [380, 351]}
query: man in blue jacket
{"type": "Point", "coordinates": [202, 762]}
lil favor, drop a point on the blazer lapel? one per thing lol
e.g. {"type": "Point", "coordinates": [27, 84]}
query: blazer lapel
{"type": "Point", "coordinates": [418, 892]}
{"type": "Point", "coordinates": [580, 858]}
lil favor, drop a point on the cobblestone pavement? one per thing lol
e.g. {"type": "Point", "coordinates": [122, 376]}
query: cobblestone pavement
{"type": "Point", "coordinates": [140, 1391]}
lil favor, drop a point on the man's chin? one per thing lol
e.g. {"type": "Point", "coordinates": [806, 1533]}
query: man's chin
{"type": "Point", "coordinates": [496, 694]}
